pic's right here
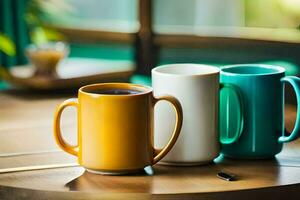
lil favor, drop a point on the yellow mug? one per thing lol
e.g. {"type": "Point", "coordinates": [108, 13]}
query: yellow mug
{"type": "Point", "coordinates": [115, 128]}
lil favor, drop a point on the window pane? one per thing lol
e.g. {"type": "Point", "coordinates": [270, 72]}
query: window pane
{"type": "Point", "coordinates": [196, 15]}
{"type": "Point", "coordinates": [185, 16]}
{"type": "Point", "coordinates": [113, 15]}
{"type": "Point", "coordinates": [274, 14]}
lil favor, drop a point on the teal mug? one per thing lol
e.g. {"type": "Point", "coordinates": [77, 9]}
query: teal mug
{"type": "Point", "coordinates": [262, 90]}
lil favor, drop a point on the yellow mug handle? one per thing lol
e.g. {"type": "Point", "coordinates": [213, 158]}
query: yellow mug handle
{"type": "Point", "coordinates": [160, 153]}
{"type": "Point", "coordinates": [57, 133]}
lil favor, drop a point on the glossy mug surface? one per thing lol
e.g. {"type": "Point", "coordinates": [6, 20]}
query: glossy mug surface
{"type": "Point", "coordinates": [262, 88]}
{"type": "Point", "coordinates": [115, 127]}
{"type": "Point", "coordinates": [197, 89]}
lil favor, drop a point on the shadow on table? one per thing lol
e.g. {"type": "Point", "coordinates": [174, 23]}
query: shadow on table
{"type": "Point", "coordinates": [133, 183]}
{"type": "Point", "coordinates": [138, 182]}
{"type": "Point", "coordinates": [163, 176]}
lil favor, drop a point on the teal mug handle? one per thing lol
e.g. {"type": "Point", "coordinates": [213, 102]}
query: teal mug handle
{"type": "Point", "coordinates": [295, 83]}
{"type": "Point", "coordinates": [240, 127]}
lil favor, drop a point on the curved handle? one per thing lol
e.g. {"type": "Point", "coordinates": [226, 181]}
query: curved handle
{"type": "Point", "coordinates": [295, 83]}
{"type": "Point", "coordinates": [240, 127]}
{"type": "Point", "coordinates": [57, 133]}
{"type": "Point", "coordinates": [160, 153]}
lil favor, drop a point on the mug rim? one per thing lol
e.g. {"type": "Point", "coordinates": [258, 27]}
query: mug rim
{"type": "Point", "coordinates": [213, 70]}
{"type": "Point", "coordinates": [142, 89]}
{"type": "Point", "coordinates": [277, 69]}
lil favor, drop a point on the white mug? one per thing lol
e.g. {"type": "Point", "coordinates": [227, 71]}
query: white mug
{"type": "Point", "coordinates": [197, 88]}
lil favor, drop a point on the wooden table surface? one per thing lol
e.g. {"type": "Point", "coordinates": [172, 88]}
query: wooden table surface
{"type": "Point", "coordinates": [26, 128]}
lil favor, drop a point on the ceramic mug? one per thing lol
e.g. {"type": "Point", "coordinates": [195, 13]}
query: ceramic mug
{"type": "Point", "coordinates": [197, 88]}
{"type": "Point", "coordinates": [115, 127]}
{"type": "Point", "coordinates": [262, 88]}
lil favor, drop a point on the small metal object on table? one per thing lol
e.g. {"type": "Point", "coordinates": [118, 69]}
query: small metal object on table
{"type": "Point", "coordinates": [226, 176]}
{"type": "Point", "coordinates": [26, 126]}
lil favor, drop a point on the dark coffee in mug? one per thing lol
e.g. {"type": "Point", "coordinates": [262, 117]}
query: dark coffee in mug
{"type": "Point", "coordinates": [115, 91]}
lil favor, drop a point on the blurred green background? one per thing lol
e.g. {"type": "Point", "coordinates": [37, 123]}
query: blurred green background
{"type": "Point", "coordinates": [20, 20]}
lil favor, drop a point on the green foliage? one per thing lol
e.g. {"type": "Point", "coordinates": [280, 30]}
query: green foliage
{"type": "Point", "coordinates": [33, 13]}
{"type": "Point", "coordinates": [39, 33]}
{"type": "Point", "coordinates": [7, 46]}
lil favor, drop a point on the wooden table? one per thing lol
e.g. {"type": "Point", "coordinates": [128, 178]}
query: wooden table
{"type": "Point", "coordinates": [26, 127]}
